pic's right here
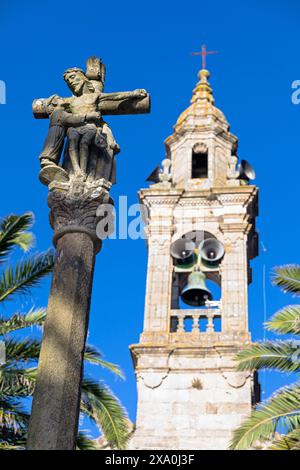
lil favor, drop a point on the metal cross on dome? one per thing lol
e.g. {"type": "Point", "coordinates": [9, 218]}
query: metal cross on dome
{"type": "Point", "coordinates": [204, 53]}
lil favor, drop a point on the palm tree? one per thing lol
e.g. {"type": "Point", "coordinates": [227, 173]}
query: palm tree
{"type": "Point", "coordinates": [18, 372]}
{"type": "Point", "coordinates": [281, 413]}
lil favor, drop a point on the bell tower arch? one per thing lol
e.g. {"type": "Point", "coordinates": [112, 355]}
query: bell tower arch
{"type": "Point", "coordinates": [201, 230]}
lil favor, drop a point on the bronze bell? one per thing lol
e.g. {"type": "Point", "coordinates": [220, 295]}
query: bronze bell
{"type": "Point", "coordinates": [195, 292]}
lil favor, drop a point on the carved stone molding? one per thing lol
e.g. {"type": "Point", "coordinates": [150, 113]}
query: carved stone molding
{"type": "Point", "coordinates": [238, 197]}
{"type": "Point", "coordinates": [235, 229]}
{"type": "Point", "coordinates": [236, 379]}
{"type": "Point", "coordinates": [196, 202]}
{"type": "Point", "coordinates": [200, 147]}
{"type": "Point", "coordinates": [73, 209]}
{"type": "Point", "coordinates": [152, 380]}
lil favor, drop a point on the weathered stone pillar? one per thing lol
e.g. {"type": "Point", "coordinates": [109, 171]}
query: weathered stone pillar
{"type": "Point", "coordinates": [77, 186]}
{"type": "Point", "coordinates": [55, 410]}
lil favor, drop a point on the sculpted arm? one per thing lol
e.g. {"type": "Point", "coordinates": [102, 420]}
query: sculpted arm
{"type": "Point", "coordinates": [70, 120]}
{"type": "Point", "coordinates": [123, 95]}
{"type": "Point", "coordinates": [73, 120]}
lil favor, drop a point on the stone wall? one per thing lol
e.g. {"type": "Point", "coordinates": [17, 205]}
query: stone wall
{"type": "Point", "coordinates": [189, 399]}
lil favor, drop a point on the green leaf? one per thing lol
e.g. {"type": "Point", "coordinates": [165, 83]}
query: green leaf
{"type": "Point", "coordinates": [12, 233]}
{"type": "Point", "coordinates": [100, 405]}
{"type": "Point", "coordinates": [93, 356]}
{"type": "Point", "coordinates": [282, 409]}
{"type": "Point", "coordinates": [26, 275]}
{"type": "Point", "coordinates": [13, 418]}
{"type": "Point", "coordinates": [286, 320]}
{"type": "Point", "coordinates": [25, 241]}
{"type": "Point", "coordinates": [280, 355]}
{"type": "Point", "coordinates": [290, 441]}
{"type": "Point", "coordinates": [21, 350]}
{"type": "Point", "coordinates": [17, 444]}
{"type": "Point", "coordinates": [85, 443]}
{"type": "Point", "coordinates": [288, 278]}
{"type": "Point", "coordinates": [19, 321]}
{"type": "Point", "coordinates": [15, 382]}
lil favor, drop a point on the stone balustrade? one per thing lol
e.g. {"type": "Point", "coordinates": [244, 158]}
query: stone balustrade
{"type": "Point", "coordinates": [191, 320]}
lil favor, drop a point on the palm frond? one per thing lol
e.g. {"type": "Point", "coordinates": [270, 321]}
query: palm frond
{"type": "Point", "coordinates": [13, 418]}
{"type": "Point", "coordinates": [16, 444]}
{"type": "Point", "coordinates": [12, 230]}
{"type": "Point", "coordinates": [288, 278]}
{"type": "Point", "coordinates": [26, 349]}
{"type": "Point", "coordinates": [17, 383]}
{"type": "Point", "coordinates": [279, 355]}
{"type": "Point", "coordinates": [25, 275]}
{"type": "Point", "coordinates": [286, 320]}
{"type": "Point", "coordinates": [25, 241]}
{"type": "Point", "coordinates": [290, 441]}
{"type": "Point", "coordinates": [261, 425]}
{"type": "Point", "coordinates": [13, 438]}
{"type": "Point", "coordinates": [19, 321]}
{"type": "Point", "coordinates": [16, 421]}
{"type": "Point", "coordinates": [85, 443]}
{"type": "Point", "coordinates": [100, 405]}
{"type": "Point", "coordinates": [93, 356]}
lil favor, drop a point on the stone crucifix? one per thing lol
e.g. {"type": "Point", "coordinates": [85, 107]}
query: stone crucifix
{"type": "Point", "coordinates": [78, 185]}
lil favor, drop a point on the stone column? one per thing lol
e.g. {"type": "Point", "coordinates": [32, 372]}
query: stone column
{"type": "Point", "coordinates": [55, 410]}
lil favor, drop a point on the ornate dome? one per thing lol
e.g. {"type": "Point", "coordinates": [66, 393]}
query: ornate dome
{"type": "Point", "coordinates": [202, 108]}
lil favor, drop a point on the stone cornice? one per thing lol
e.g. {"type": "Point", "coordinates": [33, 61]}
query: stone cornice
{"type": "Point", "coordinates": [190, 350]}
{"type": "Point", "coordinates": [195, 202]}
{"type": "Point", "coordinates": [236, 227]}
{"type": "Point", "coordinates": [159, 197]}
{"type": "Point", "coordinates": [215, 128]}
{"type": "Point", "coordinates": [214, 191]}
{"type": "Point", "coordinates": [240, 195]}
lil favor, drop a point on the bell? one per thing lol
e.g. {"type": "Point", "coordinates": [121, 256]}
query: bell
{"type": "Point", "coordinates": [211, 251]}
{"type": "Point", "coordinates": [182, 251]}
{"type": "Point", "coordinates": [195, 292]}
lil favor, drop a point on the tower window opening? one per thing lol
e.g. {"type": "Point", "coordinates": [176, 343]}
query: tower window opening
{"type": "Point", "coordinates": [199, 164]}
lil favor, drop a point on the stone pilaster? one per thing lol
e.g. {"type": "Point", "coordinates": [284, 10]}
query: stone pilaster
{"type": "Point", "coordinates": [234, 275]}
{"type": "Point", "coordinates": [159, 272]}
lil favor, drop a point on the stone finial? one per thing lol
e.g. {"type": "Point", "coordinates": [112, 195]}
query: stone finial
{"type": "Point", "coordinates": [201, 107]}
{"type": "Point", "coordinates": [203, 90]}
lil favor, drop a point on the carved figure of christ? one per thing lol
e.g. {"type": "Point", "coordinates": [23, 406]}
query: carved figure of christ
{"type": "Point", "coordinates": [80, 138]}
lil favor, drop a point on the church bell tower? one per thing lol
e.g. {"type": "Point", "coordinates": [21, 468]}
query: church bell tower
{"type": "Point", "coordinates": [201, 237]}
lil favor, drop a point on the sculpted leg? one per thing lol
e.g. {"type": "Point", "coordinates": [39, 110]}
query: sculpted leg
{"type": "Point", "coordinates": [74, 137]}
{"type": "Point", "coordinates": [84, 146]}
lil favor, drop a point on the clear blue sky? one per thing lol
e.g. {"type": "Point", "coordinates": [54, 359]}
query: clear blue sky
{"type": "Point", "coordinates": [148, 45]}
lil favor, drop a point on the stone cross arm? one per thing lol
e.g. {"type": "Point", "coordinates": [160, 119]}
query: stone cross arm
{"type": "Point", "coordinates": [127, 102]}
